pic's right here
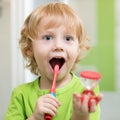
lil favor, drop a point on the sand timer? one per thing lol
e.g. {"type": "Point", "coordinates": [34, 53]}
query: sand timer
{"type": "Point", "coordinates": [90, 80]}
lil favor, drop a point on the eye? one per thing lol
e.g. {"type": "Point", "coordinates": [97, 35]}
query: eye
{"type": "Point", "coordinates": [47, 37]}
{"type": "Point", "coordinates": [68, 38]}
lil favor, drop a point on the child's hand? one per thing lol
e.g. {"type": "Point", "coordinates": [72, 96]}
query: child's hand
{"type": "Point", "coordinates": [45, 104]}
{"type": "Point", "coordinates": [80, 107]}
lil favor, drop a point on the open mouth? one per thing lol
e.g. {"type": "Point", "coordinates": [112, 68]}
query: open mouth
{"type": "Point", "coordinates": [57, 61]}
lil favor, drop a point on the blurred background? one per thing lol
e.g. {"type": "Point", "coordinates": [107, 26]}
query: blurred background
{"type": "Point", "coordinates": [101, 19]}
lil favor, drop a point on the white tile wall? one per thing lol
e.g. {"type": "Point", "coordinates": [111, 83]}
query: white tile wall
{"type": "Point", "coordinates": [110, 106]}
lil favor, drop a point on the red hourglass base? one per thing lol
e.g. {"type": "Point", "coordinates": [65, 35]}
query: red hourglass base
{"type": "Point", "coordinates": [91, 95]}
{"type": "Point", "coordinates": [48, 117]}
{"type": "Point", "coordinates": [88, 92]}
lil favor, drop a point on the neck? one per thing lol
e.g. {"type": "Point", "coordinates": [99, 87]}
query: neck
{"type": "Point", "coordinates": [61, 82]}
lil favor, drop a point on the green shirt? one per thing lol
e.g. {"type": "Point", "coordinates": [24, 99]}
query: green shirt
{"type": "Point", "coordinates": [24, 97]}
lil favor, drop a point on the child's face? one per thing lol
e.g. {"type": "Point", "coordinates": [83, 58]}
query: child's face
{"type": "Point", "coordinates": [56, 45]}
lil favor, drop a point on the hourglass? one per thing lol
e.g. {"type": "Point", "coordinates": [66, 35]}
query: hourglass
{"type": "Point", "coordinates": [90, 80]}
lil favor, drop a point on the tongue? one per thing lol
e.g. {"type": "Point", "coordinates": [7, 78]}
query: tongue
{"type": "Point", "coordinates": [55, 63]}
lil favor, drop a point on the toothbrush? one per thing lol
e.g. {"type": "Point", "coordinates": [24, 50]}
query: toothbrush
{"type": "Point", "coordinates": [53, 89]}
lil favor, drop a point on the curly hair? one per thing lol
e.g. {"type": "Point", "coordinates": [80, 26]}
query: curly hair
{"type": "Point", "coordinates": [59, 13]}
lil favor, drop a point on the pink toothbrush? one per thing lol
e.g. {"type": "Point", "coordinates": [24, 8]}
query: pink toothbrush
{"type": "Point", "coordinates": [53, 89]}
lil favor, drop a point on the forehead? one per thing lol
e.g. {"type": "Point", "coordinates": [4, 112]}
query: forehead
{"type": "Point", "coordinates": [55, 22]}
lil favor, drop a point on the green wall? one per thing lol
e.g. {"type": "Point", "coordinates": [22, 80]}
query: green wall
{"type": "Point", "coordinates": [106, 38]}
{"type": "Point", "coordinates": [102, 54]}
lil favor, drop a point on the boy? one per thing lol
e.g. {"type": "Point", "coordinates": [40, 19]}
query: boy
{"type": "Point", "coordinates": [52, 34]}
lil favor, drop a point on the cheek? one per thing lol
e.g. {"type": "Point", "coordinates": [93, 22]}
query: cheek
{"type": "Point", "coordinates": [74, 51]}
{"type": "Point", "coordinates": [38, 53]}
{"type": "Point", "coordinates": [73, 56]}
{"type": "Point", "coordinates": [38, 48]}
{"type": "Point", "coordinates": [41, 52]}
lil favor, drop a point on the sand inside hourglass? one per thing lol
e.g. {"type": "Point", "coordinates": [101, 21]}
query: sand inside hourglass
{"type": "Point", "coordinates": [89, 83]}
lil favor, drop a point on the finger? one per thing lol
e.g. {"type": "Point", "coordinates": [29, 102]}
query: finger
{"type": "Point", "coordinates": [51, 107]}
{"type": "Point", "coordinates": [100, 96]}
{"type": "Point", "coordinates": [48, 98]}
{"type": "Point", "coordinates": [85, 103]}
{"type": "Point", "coordinates": [52, 98]}
{"type": "Point", "coordinates": [93, 106]}
{"type": "Point", "coordinates": [76, 101]}
{"type": "Point", "coordinates": [47, 110]}
{"type": "Point", "coordinates": [52, 102]}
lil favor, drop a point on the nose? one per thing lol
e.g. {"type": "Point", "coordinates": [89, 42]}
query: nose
{"type": "Point", "coordinates": [58, 45]}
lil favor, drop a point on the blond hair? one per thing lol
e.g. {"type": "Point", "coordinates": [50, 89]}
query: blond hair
{"type": "Point", "coordinates": [59, 13]}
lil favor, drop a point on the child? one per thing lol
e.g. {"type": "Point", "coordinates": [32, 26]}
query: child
{"type": "Point", "coordinates": [52, 34]}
